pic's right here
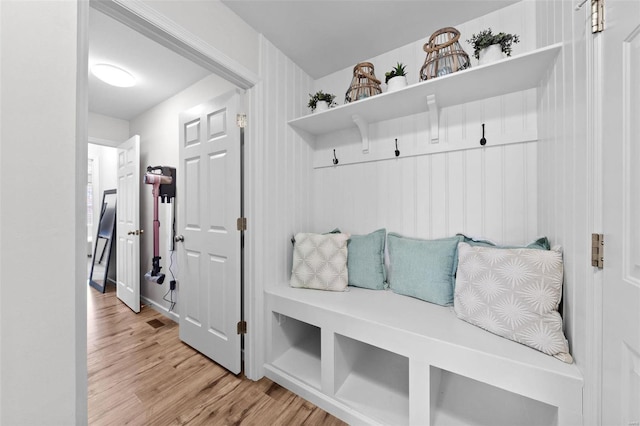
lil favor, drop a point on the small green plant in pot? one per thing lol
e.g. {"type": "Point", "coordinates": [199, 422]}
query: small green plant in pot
{"type": "Point", "coordinates": [396, 78]}
{"type": "Point", "coordinates": [488, 47]}
{"type": "Point", "coordinates": [321, 101]}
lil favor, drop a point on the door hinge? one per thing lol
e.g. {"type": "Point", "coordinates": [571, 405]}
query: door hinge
{"type": "Point", "coordinates": [241, 224]}
{"type": "Point", "coordinates": [242, 327]}
{"type": "Point", "coordinates": [597, 16]}
{"type": "Point", "coordinates": [241, 120]}
{"type": "Point", "coordinates": [597, 250]}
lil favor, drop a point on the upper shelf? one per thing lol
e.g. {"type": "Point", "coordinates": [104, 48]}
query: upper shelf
{"type": "Point", "coordinates": [513, 74]}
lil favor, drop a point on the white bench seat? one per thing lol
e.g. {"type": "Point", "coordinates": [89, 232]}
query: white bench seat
{"type": "Point", "coordinates": [347, 333]}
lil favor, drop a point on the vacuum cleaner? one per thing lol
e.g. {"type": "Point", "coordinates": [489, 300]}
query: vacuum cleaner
{"type": "Point", "coordinates": [163, 183]}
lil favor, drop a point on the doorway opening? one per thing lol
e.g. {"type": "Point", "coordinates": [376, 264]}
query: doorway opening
{"type": "Point", "coordinates": [144, 20]}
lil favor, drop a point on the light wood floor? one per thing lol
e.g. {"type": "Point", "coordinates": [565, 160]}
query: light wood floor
{"type": "Point", "coordinates": [140, 373]}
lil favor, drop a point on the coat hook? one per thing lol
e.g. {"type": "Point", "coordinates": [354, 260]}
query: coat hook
{"type": "Point", "coordinates": [397, 152]}
{"type": "Point", "coordinates": [483, 141]}
{"type": "Point", "coordinates": [335, 159]}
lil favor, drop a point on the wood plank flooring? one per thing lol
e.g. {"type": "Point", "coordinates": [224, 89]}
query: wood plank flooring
{"type": "Point", "coordinates": [140, 373]}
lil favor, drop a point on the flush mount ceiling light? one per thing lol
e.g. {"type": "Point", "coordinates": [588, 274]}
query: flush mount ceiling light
{"type": "Point", "coordinates": [113, 75]}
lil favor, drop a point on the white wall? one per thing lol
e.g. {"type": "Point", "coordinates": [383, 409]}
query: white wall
{"type": "Point", "coordinates": [42, 303]}
{"type": "Point", "coordinates": [279, 178]}
{"type": "Point", "coordinates": [105, 176]}
{"type": "Point", "coordinates": [159, 137]}
{"type": "Point", "coordinates": [215, 24]}
{"type": "Point", "coordinates": [283, 160]}
{"type": "Point", "coordinates": [107, 130]}
{"type": "Point", "coordinates": [568, 194]}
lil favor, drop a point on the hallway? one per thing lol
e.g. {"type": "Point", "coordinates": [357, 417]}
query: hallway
{"type": "Point", "coordinates": [140, 373]}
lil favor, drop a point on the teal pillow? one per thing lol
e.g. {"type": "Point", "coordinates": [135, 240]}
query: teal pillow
{"type": "Point", "coordinates": [365, 261]}
{"type": "Point", "coordinates": [541, 243]}
{"type": "Point", "coordinates": [474, 242]}
{"type": "Point", "coordinates": [424, 269]}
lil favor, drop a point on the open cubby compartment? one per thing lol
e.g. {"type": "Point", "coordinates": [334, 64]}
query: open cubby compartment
{"type": "Point", "coordinates": [372, 380]}
{"type": "Point", "coordinates": [296, 348]}
{"type": "Point", "coordinates": [458, 400]}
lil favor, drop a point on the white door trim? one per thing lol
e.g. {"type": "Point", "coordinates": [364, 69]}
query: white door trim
{"type": "Point", "coordinates": [143, 18]}
{"type": "Point", "coordinates": [592, 370]}
{"type": "Point", "coordinates": [154, 25]}
{"type": "Point", "coordinates": [82, 155]}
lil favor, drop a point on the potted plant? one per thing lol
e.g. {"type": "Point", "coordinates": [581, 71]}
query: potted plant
{"type": "Point", "coordinates": [321, 101]}
{"type": "Point", "coordinates": [396, 78]}
{"type": "Point", "coordinates": [489, 47]}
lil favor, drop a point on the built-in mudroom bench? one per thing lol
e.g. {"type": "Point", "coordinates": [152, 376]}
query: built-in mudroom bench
{"type": "Point", "coordinates": [416, 161]}
{"type": "Point", "coordinates": [376, 357]}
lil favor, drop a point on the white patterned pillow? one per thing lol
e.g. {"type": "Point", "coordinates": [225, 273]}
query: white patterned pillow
{"type": "Point", "coordinates": [513, 293]}
{"type": "Point", "coordinates": [320, 262]}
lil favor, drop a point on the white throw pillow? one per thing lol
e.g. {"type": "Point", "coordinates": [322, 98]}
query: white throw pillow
{"type": "Point", "coordinates": [320, 262]}
{"type": "Point", "coordinates": [513, 293]}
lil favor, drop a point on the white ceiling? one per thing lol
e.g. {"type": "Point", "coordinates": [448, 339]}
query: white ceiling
{"type": "Point", "coordinates": [160, 72]}
{"type": "Point", "coordinates": [321, 36]}
{"type": "Point", "coordinates": [324, 36]}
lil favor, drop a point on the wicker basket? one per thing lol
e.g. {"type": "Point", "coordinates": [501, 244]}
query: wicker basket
{"type": "Point", "coordinates": [444, 54]}
{"type": "Point", "coordinates": [364, 83]}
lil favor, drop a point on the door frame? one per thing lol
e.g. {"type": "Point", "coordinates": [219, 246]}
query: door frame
{"type": "Point", "coordinates": [146, 20]}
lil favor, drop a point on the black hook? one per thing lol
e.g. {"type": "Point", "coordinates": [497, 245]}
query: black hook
{"type": "Point", "coordinates": [483, 141]}
{"type": "Point", "coordinates": [335, 159]}
{"type": "Point", "coordinates": [397, 152]}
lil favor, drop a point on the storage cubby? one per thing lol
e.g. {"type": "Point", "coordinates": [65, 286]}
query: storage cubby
{"type": "Point", "coordinates": [458, 400]}
{"type": "Point", "coordinates": [296, 348]}
{"type": "Point", "coordinates": [372, 380]}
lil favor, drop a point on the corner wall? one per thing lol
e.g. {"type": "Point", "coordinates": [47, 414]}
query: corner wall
{"type": "Point", "coordinates": [107, 130]}
{"type": "Point", "coordinates": [568, 195]}
{"type": "Point", "coordinates": [279, 176]}
{"type": "Point", "coordinates": [42, 231]}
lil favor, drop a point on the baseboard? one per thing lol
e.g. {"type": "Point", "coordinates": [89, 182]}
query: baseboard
{"type": "Point", "coordinates": [157, 307]}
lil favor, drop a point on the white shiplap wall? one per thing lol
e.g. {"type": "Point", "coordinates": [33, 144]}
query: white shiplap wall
{"type": "Point", "coordinates": [442, 190]}
{"type": "Point", "coordinates": [282, 162]}
{"type": "Point", "coordinates": [568, 185]}
{"type": "Point", "coordinates": [278, 173]}
{"type": "Point", "coordinates": [483, 192]}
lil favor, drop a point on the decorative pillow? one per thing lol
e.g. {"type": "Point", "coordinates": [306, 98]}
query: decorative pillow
{"type": "Point", "coordinates": [424, 269]}
{"type": "Point", "coordinates": [335, 231]}
{"type": "Point", "coordinates": [320, 261]}
{"type": "Point", "coordinates": [513, 293]}
{"type": "Point", "coordinates": [365, 260]}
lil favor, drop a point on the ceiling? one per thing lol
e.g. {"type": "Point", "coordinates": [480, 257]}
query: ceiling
{"type": "Point", "coordinates": [160, 73]}
{"type": "Point", "coordinates": [321, 36]}
{"type": "Point", "coordinates": [324, 36]}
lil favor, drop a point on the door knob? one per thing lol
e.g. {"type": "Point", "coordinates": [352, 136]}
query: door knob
{"type": "Point", "coordinates": [179, 238]}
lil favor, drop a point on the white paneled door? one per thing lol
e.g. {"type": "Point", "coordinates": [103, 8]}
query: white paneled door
{"type": "Point", "coordinates": [209, 204]}
{"type": "Point", "coordinates": [621, 215]}
{"type": "Point", "coordinates": [128, 224]}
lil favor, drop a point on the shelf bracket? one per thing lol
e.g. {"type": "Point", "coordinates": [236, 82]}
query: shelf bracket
{"type": "Point", "coordinates": [363, 126]}
{"type": "Point", "coordinates": [434, 118]}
